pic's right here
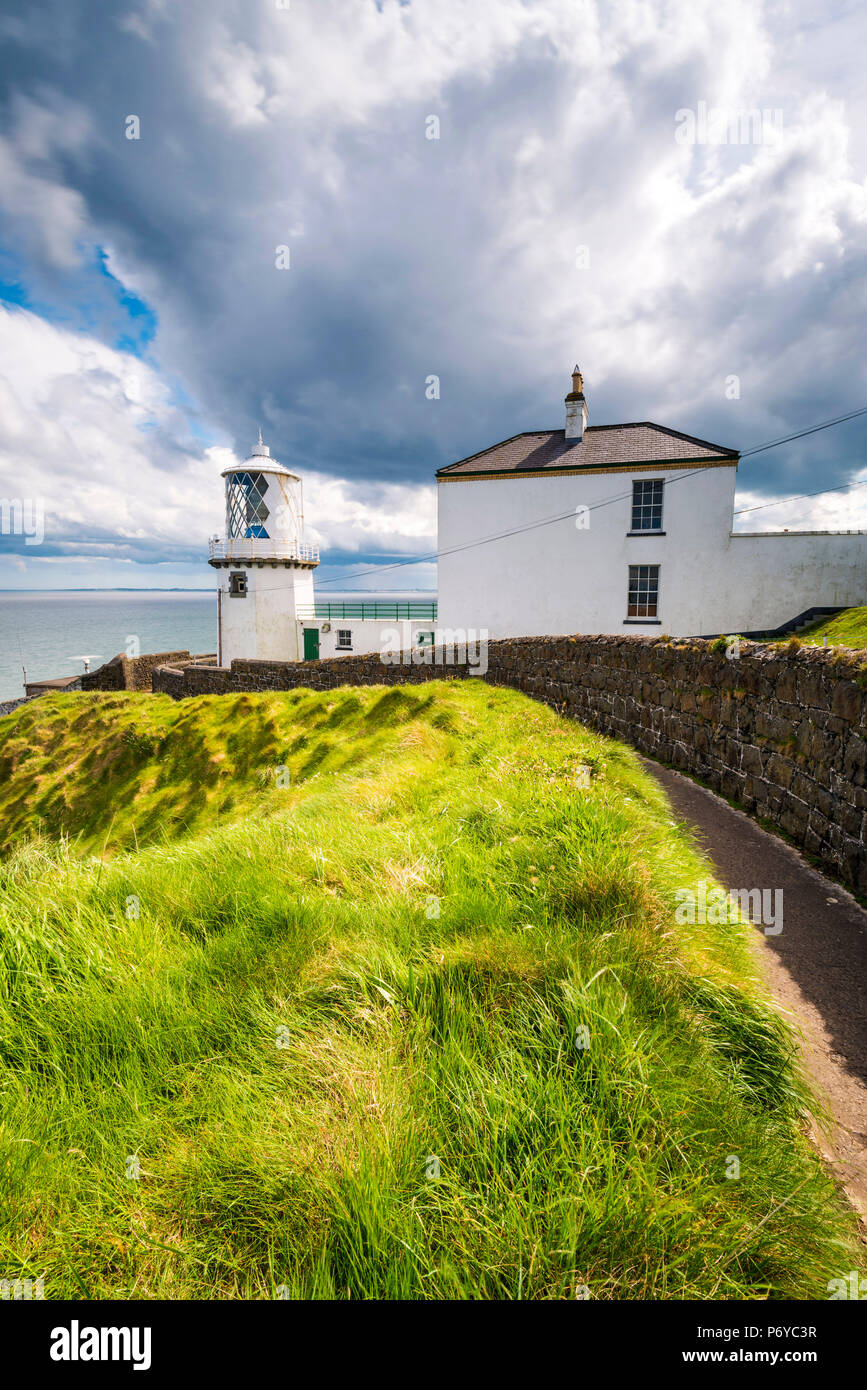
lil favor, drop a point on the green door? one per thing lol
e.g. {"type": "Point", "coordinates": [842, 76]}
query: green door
{"type": "Point", "coordinates": [311, 644]}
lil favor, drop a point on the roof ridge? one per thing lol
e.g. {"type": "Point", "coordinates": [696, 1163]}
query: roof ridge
{"type": "Point", "coordinates": [710, 451]}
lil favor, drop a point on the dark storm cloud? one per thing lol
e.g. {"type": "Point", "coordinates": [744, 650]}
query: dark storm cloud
{"type": "Point", "coordinates": [453, 257]}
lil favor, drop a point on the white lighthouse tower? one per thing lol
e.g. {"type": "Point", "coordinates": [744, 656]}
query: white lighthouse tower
{"type": "Point", "coordinates": [264, 566]}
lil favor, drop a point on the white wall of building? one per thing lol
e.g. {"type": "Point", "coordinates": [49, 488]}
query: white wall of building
{"type": "Point", "coordinates": [571, 576]}
{"type": "Point", "coordinates": [784, 572]}
{"type": "Point", "coordinates": [367, 635]}
{"type": "Point", "coordinates": [263, 625]}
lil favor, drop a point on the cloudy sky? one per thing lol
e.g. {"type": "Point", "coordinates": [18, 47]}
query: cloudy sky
{"type": "Point", "coordinates": [285, 244]}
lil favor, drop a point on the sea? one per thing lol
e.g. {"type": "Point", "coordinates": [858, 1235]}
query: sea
{"type": "Point", "coordinates": [48, 634]}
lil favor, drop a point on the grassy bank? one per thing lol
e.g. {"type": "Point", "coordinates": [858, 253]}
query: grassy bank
{"type": "Point", "coordinates": [846, 629]}
{"type": "Point", "coordinates": [328, 1014]}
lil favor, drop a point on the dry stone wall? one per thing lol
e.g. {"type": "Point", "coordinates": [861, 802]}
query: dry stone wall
{"type": "Point", "coordinates": [364, 669]}
{"type": "Point", "coordinates": [132, 672]}
{"type": "Point", "coordinates": [782, 730]}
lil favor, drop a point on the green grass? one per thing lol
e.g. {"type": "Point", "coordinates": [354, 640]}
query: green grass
{"type": "Point", "coordinates": [846, 629]}
{"type": "Point", "coordinates": [118, 772]}
{"type": "Point", "coordinates": [293, 1005]}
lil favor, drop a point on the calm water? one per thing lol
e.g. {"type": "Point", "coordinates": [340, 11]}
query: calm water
{"type": "Point", "coordinates": [52, 628]}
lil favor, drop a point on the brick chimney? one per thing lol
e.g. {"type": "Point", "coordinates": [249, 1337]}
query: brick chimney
{"type": "Point", "coordinates": [576, 409]}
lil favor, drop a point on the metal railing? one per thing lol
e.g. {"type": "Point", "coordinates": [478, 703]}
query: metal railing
{"type": "Point", "coordinates": [388, 610]}
{"type": "Point", "coordinates": [241, 548]}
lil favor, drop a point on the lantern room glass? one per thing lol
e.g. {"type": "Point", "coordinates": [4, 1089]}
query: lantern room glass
{"type": "Point", "coordinates": [246, 512]}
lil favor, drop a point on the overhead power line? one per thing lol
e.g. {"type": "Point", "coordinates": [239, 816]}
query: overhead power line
{"type": "Point", "coordinates": [813, 429]}
{"type": "Point", "coordinates": [531, 526]}
{"type": "Point", "coordinates": [608, 501]}
{"type": "Point", "coordinates": [861, 482]}
{"type": "Point", "coordinates": [499, 536]}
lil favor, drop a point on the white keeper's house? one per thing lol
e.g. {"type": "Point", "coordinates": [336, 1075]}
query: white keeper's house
{"type": "Point", "coordinates": [589, 528]}
{"type": "Point", "coordinates": [649, 548]}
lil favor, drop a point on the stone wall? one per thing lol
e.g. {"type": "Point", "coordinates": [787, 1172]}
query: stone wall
{"type": "Point", "coordinates": [782, 730]}
{"type": "Point", "coordinates": [7, 706]}
{"type": "Point", "coordinates": [132, 673]}
{"type": "Point", "coordinates": [364, 669]}
{"type": "Point", "coordinates": [170, 680]}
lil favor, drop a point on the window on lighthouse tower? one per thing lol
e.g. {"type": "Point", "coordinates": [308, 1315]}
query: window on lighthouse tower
{"type": "Point", "coordinates": [246, 512]}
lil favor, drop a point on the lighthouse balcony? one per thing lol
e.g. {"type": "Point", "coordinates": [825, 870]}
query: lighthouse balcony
{"type": "Point", "coordinates": [256, 550]}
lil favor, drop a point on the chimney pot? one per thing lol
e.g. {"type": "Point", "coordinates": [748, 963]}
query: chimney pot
{"type": "Point", "coordinates": [576, 409]}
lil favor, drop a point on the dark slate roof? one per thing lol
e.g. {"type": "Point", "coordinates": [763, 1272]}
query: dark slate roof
{"type": "Point", "coordinates": [603, 446]}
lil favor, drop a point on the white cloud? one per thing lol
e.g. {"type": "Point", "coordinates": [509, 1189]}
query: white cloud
{"type": "Point", "coordinates": [834, 511]}
{"type": "Point", "coordinates": [454, 257]}
{"type": "Point", "coordinates": [95, 434]}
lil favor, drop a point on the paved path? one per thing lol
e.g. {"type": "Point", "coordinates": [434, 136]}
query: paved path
{"type": "Point", "coordinates": [816, 968]}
